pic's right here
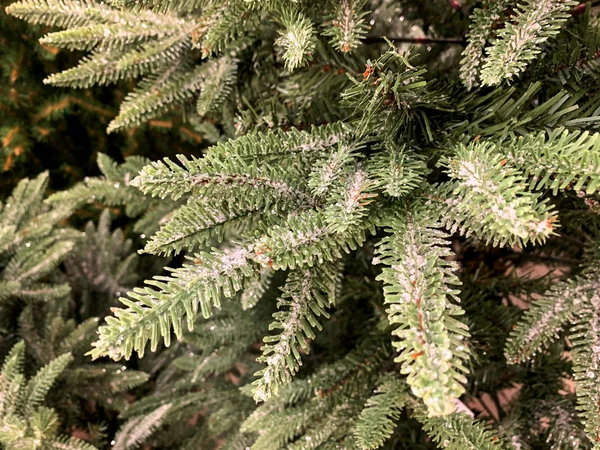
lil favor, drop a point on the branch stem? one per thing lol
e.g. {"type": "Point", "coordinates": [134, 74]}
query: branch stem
{"type": "Point", "coordinates": [416, 40]}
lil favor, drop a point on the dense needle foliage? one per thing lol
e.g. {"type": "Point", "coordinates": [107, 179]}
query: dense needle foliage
{"type": "Point", "coordinates": [361, 224]}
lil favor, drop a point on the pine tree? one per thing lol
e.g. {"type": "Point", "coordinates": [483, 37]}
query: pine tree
{"type": "Point", "coordinates": [343, 259]}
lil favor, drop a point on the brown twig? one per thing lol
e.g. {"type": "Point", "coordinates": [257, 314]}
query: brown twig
{"type": "Point", "coordinates": [416, 40]}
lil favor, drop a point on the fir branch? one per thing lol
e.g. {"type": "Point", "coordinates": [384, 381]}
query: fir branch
{"type": "Point", "coordinates": [277, 428]}
{"type": "Point", "coordinates": [305, 240]}
{"type": "Point", "coordinates": [390, 94]}
{"type": "Point", "coordinates": [161, 6]}
{"type": "Point", "coordinates": [158, 94]}
{"type": "Point", "coordinates": [297, 39]}
{"type": "Point", "coordinates": [304, 299]}
{"type": "Point", "coordinates": [519, 42]}
{"type": "Point", "coordinates": [349, 202]}
{"type": "Point", "coordinates": [330, 168]}
{"type": "Point", "coordinates": [255, 290]}
{"type": "Point", "coordinates": [114, 188]}
{"type": "Point", "coordinates": [561, 159]}
{"type": "Point", "coordinates": [347, 26]}
{"type": "Point", "coordinates": [208, 177]}
{"type": "Point", "coordinates": [585, 336]}
{"type": "Point", "coordinates": [11, 372]}
{"type": "Point", "coordinates": [541, 323]}
{"type": "Point", "coordinates": [547, 316]}
{"type": "Point", "coordinates": [278, 145]}
{"type": "Point", "coordinates": [426, 40]}
{"type": "Point", "coordinates": [320, 434]}
{"type": "Point", "coordinates": [25, 201]}
{"type": "Point", "coordinates": [397, 170]}
{"type": "Point", "coordinates": [149, 314]}
{"type": "Point", "coordinates": [23, 268]}
{"type": "Point", "coordinates": [135, 431]}
{"type": "Point", "coordinates": [481, 32]}
{"type": "Point", "coordinates": [417, 289]}
{"type": "Point", "coordinates": [37, 388]}
{"type": "Point", "coordinates": [202, 221]}
{"type": "Point", "coordinates": [220, 78]}
{"type": "Point", "coordinates": [488, 199]}
{"type": "Point", "coordinates": [109, 66]}
{"type": "Point", "coordinates": [222, 24]}
{"type": "Point", "coordinates": [24, 422]}
{"type": "Point", "coordinates": [117, 36]}
{"type": "Point", "coordinates": [377, 420]}
{"type": "Point", "coordinates": [458, 431]}
{"type": "Point", "coordinates": [70, 443]}
{"type": "Point", "coordinates": [67, 13]}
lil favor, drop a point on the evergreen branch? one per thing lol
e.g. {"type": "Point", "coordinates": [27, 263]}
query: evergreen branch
{"type": "Point", "coordinates": [369, 355]}
{"type": "Point", "coordinates": [304, 299]}
{"type": "Point", "coordinates": [330, 168]}
{"type": "Point", "coordinates": [547, 316]}
{"type": "Point", "coordinates": [390, 94]}
{"type": "Point", "coordinates": [8, 234]}
{"type": "Point", "coordinates": [78, 338]}
{"type": "Point", "coordinates": [11, 378]}
{"type": "Point", "coordinates": [25, 202]}
{"type": "Point", "coordinates": [113, 189]}
{"type": "Point", "coordinates": [103, 263]}
{"type": "Point", "coordinates": [162, 6]}
{"type": "Point", "coordinates": [347, 26]}
{"type": "Point", "coordinates": [218, 362]}
{"type": "Point", "coordinates": [305, 240]}
{"type": "Point", "coordinates": [489, 199]}
{"type": "Point", "coordinates": [276, 145]}
{"type": "Point", "coordinates": [120, 172]}
{"type": "Point", "coordinates": [201, 221]}
{"type": "Point", "coordinates": [234, 178]}
{"type": "Point", "coordinates": [108, 66]}
{"type": "Point", "coordinates": [349, 202]}
{"type": "Point", "coordinates": [585, 336]}
{"type": "Point", "coordinates": [70, 14]}
{"type": "Point", "coordinates": [377, 420]}
{"type": "Point", "coordinates": [41, 292]}
{"type": "Point", "coordinates": [560, 159]}
{"type": "Point", "coordinates": [277, 428]}
{"type": "Point", "coordinates": [320, 434]}
{"type": "Point", "coordinates": [417, 282]}
{"type": "Point", "coordinates": [308, 402]}
{"type": "Point", "coordinates": [255, 290]}
{"type": "Point", "coordinates": [155, 95]}
{"type": "Point", "coordinates": [115, 376]}
{"type": "Point", "coordinates": [70, 443]}
{"type": "Point", "coordinates": [107, 192]}
{"type": "Point", "coordinates": [481, 31]}
{"type": "Point", "coordinates": [24, 269]}
{"type": "Point", "coordinates": [107, 37]}
{"type": "Point", "coordinates": [231, 326]}
{"type": "Point", "coordinates": [222, 24]}
{"type": "Point", "coordinates": [151, 313]}
{"type": "Point", "coordinates": [135, 431]}
{"type": "Point", "coordinates": [31, 246]}
{"type": "Point", "coordinates": [297, 38]}
{"type": "Point", "coordinates": [66, 13]}
{"type": "Point", "coordinates": [40, 384]}
{"type": "Point", "coordinates": [220, 78]}
{"type": "Point", "coordinates": [425, 40]}
{"type": "Point", "coordinates": [397, 170]}
{"type": "Point", "coordinates": [519, 43]}
{"type": "Point", "coordinates": [458, 431]}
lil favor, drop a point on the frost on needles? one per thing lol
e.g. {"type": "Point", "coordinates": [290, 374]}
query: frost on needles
{"type": "Point", "coordinates": [344, 244]}
{"type": "Point", "coordinates": [302, 200]}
